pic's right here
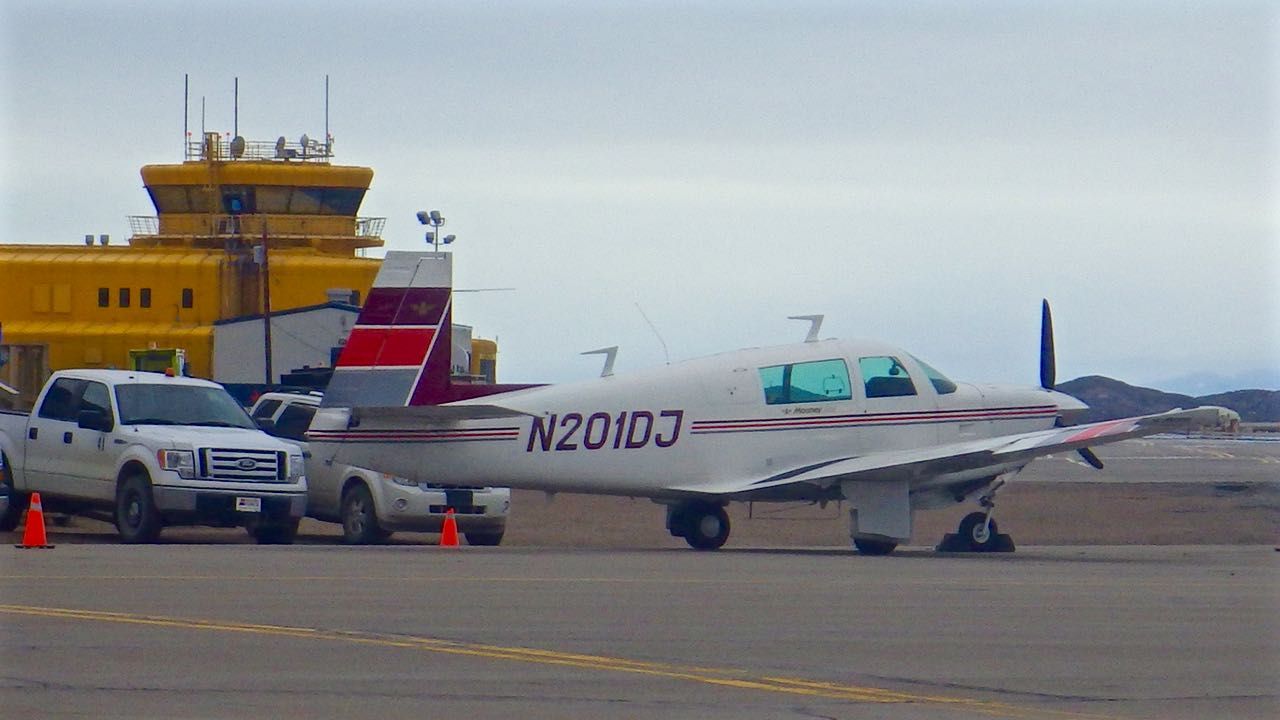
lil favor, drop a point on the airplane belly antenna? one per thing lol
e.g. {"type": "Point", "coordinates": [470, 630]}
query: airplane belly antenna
{"type": "Point", "coordinates": [815, 324]}
{"type": "Point", "coordinates": [610, 354]}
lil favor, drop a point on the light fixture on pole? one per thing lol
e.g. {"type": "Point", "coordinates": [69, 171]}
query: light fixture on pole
{"type": "Point", "coordinates": [435, 220]}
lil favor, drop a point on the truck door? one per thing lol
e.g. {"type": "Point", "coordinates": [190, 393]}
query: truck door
{"type": "Point", "coordinates": [90, 454]}
{"type": "Point", "coordinates": [51, 432]}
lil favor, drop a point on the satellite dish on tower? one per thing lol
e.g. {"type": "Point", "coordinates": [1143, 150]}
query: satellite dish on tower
{"type": "Point", "coordinates": [237, 147]}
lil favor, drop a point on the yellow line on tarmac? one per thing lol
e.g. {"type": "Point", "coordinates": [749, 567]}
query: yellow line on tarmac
{"type": "Point", "coordinates": [722, 677]}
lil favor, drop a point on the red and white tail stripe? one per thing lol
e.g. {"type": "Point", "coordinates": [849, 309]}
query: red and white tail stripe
{"type": "Point", "coordinates": [398, 353]}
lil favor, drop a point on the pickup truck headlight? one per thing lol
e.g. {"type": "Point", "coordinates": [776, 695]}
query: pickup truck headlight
{"type": "Point", "coordinates": [182, 462]}
{"type": "Point", "coordinates": [403, 481]}
{"type": "Point", "coordinates": [297, 467]}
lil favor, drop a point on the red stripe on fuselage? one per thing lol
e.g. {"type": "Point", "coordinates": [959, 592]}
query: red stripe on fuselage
{"type": "Point", "coordinates": [377, 347]}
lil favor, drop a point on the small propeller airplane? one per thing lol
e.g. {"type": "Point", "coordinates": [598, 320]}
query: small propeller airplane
{"type": "Point", "coordinates": [819, 421]}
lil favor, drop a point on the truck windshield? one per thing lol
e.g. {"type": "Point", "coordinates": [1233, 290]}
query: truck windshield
{"type": "Point", "coordinates": [180, 405]}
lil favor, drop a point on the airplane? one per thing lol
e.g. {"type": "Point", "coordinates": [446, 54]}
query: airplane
{"type": "Point", "coordinates": [857, 421]}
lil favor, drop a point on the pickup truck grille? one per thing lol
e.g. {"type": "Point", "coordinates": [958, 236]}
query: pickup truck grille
{"type": "Point", "coordinates": [239, 465]}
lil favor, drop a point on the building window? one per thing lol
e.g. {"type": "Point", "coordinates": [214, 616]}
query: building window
{"type": "Point", "coordinates": [144, 297]}
{"type": "Point", "coordinates": [124, 297]}
{"type": "Point", "coordinates": [104, 297]}
{"type": "Point", "coordinates": [188, 298]}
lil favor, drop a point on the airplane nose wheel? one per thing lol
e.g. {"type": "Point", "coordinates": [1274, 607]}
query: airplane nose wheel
{"type": "Point", "coordinates": [979, 530]}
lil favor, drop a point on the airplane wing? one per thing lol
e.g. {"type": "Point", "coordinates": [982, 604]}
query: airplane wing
{"type": "Point", "coordinates": [965, 461]}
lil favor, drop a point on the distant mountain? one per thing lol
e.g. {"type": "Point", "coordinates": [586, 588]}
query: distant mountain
{"type": "Point", "coordinates": [1109, 399]}
{"type": "Point", "coordinates": [1208, 383]}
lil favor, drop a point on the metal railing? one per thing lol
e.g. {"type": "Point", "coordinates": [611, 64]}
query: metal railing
{"type": "Point", "coordinates": [230, 225]}
{"type": "Point", "coordinates": [218, 147]}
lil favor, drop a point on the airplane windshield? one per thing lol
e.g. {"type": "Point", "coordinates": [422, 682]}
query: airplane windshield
{"type": "Point", "coordinates": [941, 383]}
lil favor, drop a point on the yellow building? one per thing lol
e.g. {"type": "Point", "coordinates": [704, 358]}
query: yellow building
{"type": "Point", "coordinates": [198, 261]}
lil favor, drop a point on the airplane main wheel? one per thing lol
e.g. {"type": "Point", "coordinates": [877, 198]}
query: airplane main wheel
{"type": "Point", "coordinates": [706, 527]}
{"type": "Point", "coordinates": [867, 546]}
{"type": "Point", "coordinates": [975, 530]}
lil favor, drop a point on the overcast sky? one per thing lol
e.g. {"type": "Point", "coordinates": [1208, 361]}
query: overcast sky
{"type": "Point", "coordinates": [922, 173]}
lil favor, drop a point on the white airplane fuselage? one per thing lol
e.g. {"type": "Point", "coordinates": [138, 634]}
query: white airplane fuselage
{"type": "Point", "coordinates": [667, 431]}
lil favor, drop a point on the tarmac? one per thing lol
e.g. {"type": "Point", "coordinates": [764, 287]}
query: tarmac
{"type": "Point", "coordinates": [320, 631]}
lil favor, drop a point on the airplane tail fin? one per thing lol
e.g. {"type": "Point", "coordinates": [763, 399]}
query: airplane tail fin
{"type": "Point", "coordinates": [399, 351]}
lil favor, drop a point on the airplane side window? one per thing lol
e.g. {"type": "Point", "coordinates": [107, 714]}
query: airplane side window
{"type": "Point", "coordinates": [885, 377]}
{"type": "Point", "coordinates": [819, 381]}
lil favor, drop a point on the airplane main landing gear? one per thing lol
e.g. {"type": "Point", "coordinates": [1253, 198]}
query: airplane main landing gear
{"type": "Point", "coordinates": [704, 525]}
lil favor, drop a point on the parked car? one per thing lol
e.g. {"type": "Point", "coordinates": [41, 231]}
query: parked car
{"type": "Point", "coordinates": [146, 450]}
{"type": "Point", "coordinates": [371, 505]}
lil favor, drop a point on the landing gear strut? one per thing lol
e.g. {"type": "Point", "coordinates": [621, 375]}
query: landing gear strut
{"type": "Point", "coordinates": [704, 525]}
{"type": "Point", "coordinates": [978, 531]}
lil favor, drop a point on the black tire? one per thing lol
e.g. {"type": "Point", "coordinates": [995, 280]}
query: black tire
{"type": "Point", "coordinates": [485, 538]}
{"type": "Point", "coordinates": [975, 531]}
{"type": "Point", "coordinates": [867, 546]}
{"type": "Point", "coordinates": [275, 533]}
{"type": "Point", "coordinates": [360, 518]}
{"type": "Point", "coordinates": [12, 516]}
{"type": "Point", "coordinates": [706, 527]}
{"type": "Point", "coordinates": [137, 519]}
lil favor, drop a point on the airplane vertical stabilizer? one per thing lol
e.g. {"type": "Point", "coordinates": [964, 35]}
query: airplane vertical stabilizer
{"type": "Point", "coordinates": [398, 352]}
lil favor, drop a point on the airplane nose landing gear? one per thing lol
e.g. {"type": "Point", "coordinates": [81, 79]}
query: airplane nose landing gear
{"type": "Point", "coordinates": [978, 531]}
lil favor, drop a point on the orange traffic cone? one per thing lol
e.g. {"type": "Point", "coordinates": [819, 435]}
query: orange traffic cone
{"type": "Point", "coordinates": [449, 534]}
{"type": "Point", "coordinates": [33, 536]}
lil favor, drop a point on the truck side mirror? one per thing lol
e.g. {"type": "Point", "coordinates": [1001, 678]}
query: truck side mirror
{"type": "Point", "coordinates": [95, 420]}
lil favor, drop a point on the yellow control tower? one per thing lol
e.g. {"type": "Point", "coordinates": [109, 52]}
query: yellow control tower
{"type": "Point", "coordinates": [241, 228]}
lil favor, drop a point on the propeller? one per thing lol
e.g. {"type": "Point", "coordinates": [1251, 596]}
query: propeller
{"type": "Point", "coordinates": [1047, 365]}
{"type": "Point", "coordinates": [1048, 369]}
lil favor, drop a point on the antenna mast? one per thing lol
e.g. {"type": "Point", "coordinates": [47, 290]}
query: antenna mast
{"type": "Point", "coordinates": [235, 109]}
{"type": "Point", "coordinates": [186, 103]}
{"type": "Point", "coordinates": [328, 141]}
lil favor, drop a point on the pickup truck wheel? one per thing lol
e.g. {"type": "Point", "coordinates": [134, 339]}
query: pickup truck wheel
{"type": "Point", "coordinates": [278, 533]}
{"type": "Point", "coordinates": [360, 519]}
{"type": "Point", "coordinates": [12, 516]}
{"type": "Point", "coordinates": [137, 519]}
{"type": "Point", "coordinates": [489, 538]}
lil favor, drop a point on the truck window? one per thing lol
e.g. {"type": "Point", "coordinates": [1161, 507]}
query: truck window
{"type": "Point", "coordinates": [62, 401]}
{"type": "Point", "coordinates": [154, 404]}
{"type": "Point", "coordinates": [265, 409]}
{"type": "Point", "coordinates": [818, 381]}
{"type": "Point", "coordinates": [294, 421]}
{"type": "Point", "coordinates": [96, 397]}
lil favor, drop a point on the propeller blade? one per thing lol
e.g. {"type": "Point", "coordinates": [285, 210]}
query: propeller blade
{"type": "Point", "coordinates": [1047, 365]}
{"type": "Point", "coordinates": [1090, 458]}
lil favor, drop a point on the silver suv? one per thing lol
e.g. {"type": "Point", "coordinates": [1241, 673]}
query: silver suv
{"type": "Point", "coordinates": [371, 505]}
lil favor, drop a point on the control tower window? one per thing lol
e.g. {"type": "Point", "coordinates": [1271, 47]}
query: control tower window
{"type": "Point", "coordinates": [188, 298]}
{"type": "Point", "coordinates": [104, 297]}
{"type": "Point", "coordinates": [144, 297]}
{"type": "Point", "coordinates": [124, 297]}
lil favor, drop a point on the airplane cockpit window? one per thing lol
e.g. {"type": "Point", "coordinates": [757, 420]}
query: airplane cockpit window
{"type": "Point", "coordinates": [885, 377]}
{"type": "Point", "coordinates": [941, 383]}
{"type": "Point", "coordinates": [818, 381]}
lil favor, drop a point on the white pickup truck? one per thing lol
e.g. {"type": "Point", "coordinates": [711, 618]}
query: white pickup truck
{"type": "Point", "coordinates": [146, 450]}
